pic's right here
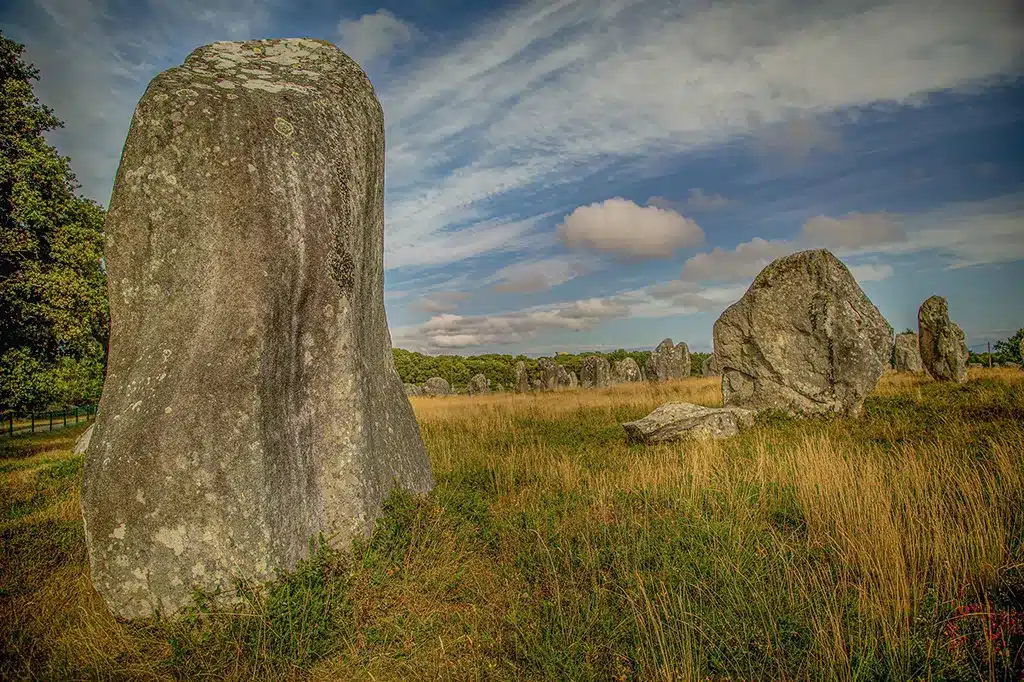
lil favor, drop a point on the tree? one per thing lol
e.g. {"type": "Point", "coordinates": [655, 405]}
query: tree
{"type": "Point", "coordinates": [1009, 350]}
{"type": "Point", "coordinates": [53, 291]}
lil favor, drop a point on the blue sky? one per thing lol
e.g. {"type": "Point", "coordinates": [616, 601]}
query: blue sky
{"type": "Point", "coordinates": [595, 174]}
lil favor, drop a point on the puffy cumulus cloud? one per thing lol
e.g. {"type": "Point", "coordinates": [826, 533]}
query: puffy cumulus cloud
{"type": "Point", "coordinates": [539, 275]}
{"type": "Point", "coordinates": [621, 227]}
{"type": "Point", "coordinates": [374, 36]}
{"type": "Point", "coordinates": [853, 231]}
{"type": "Point", "coordinates": [746, 260]}
{"type": "Point", "coordinates": [439, 302]}
{"type": "Point", "coordinates": [696, 200]}
{"type": "Point", "coordinates": [871, 272]}
{"type": "Point", "coordinates": [448, 331]}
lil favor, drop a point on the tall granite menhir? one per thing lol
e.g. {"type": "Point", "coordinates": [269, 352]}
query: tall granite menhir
{"type": "Point", "coordinates": [251, 400]}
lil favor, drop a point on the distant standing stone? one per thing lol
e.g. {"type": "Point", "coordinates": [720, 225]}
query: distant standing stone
{"type": "Point", "coordinates": [82, 444]}
{"type": "Point", "coordinates": [413, 389]}
{"type": "Point", "coordinates": [595, 372]}
{"type": "Point", "coordinates": [803, 338]}
{"type": "Point", "coordinates": [626, 371]}
{"type": "Point", "coordinates": [943, 349]}
{"type": "Point", "coordinates": [436, 386]}
{"type": "Point", "coordinates": [522, 378]}
{"type": "Point", "coordinates": [674, 421]}
{"type": "Point", "coordinates": [551, 374]}
{"type": "Point", "coordinates": [710, 367]}
{"type": "Point", "coordinates": [251, 401]}
{"type": "Point", "coordinates": [908, 356]}
{"type": "Point", "coordinates": [668, 362]}
{"type": "Point", "coordinates": [479, 384]}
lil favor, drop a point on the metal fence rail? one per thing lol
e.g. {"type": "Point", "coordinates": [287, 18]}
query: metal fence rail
{"type": "Point", "coordinates": [18, 425]}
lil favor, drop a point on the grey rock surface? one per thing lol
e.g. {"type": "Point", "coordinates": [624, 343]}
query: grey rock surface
{"type": "Point", "coordinates": [413, 389]}
{"type": "Point", "coordinates": [907, 355]}
{"type": "Point", "coordinates": [675, 421]}
{"type": "Point", "coordinates": [596, 372]}
{"type": "Point", "coordinates": [710, 367]}
{"type": "Point", "coordinates": [251, 400]}
{"type": "Point", "coordinates": [943, 349]}
{"type": "Point", "coordinates": [668, 362]}
{"type": "Point", "coordinates": [436, 386]}
{"type": "Point", "coordinates": [803, 338]}
{"type": "Point", "coordinates": [522, 381]}
{"type": "Point", "coordinates": [626, 371]}
{"type": "Point", "coordinates": [82, 444]}
{"type": "Point", "coordinates": [478, 384]}
{"type": "Point", "coordinates": [548, 371]}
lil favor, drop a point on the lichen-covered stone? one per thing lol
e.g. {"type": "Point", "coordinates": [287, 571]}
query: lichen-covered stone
{"type": "Point", "coordinates": [803, 338]}
{"type": "Point", "coordinates": [907, 356]}
{"type": "Point", "coordinates": [675, 421]}
{"type": "Point", "coordinates": [626, 371]}
{"type": "Point", "coordinates": [595, 372]}
{"type": "Point", "coordinates": [479, 384]}
{"type": "Point", "coordinates": [436, 386]}
{"type": "Point", "coordinates": [668, 362]}
{"type": "Point", "coordinates": [251, 401]}
{"type": "Point", "coordinates": [943, 349]}
{"type": "Point", "coordinates": [522, 378]}
{"type": "Point", "coordinates": [710, 367]}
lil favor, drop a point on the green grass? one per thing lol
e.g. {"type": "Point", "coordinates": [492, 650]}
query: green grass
{"type": "Point", "coordinates": [888, 547]}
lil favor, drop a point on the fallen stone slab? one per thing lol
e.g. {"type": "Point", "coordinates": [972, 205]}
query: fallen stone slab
{"type": "Point", "coordinates": [675, 421]}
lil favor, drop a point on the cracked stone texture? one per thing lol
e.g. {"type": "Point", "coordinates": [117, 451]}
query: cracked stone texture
{"type": "Point", "coordinates": [436, 386]}
{"type": "Point", "coordinates": [668, 362]}
{"type": "Point", "coordinates": [596, 372]}
{"type": "Point", "coordinates": [626, 371]}
{"type": "Point", "coordinates": [676, 421]}
{"type": "Point", "coordinates": [907, 353]}
{"type": "Point", "coordinates": [804, 339]}
{"type": "Point", "coordinates": [251, 400]}
{"type": "Point", "coordinates": [943, 349]}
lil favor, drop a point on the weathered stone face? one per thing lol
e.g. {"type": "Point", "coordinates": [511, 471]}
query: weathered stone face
{"type": "Point", "coordinates": [522, 378]}
{"type": "Point", "coordinates": [251, 400]}
{"type": "Point", "coordinates": [595, 372]}
{"type": "Point", "coordinates": [710, 367]}
{"type": "Point", "coordinates": [907, 355]}
{"type": "Point", "coordinates": [804, 338]}
{"type": "Point", "coordinates": [676, 421]}
{"type": "Point", "coordinates": [668, 362]}
{"type": "Point", "coordinates": [548, 373]}
{"type": "Point", "coordinates": [626, 371]}
{"type": "Point", "coordinates": [436, 386]}
{"type": "Point", "coordinates": [479, 384]}
{"type": "Point", "coordinates": [943, 349]}
{"type": "Point", "coordinates": [413, 389]}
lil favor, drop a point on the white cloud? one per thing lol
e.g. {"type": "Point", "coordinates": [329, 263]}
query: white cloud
{"type": "Point", "coordinates": [744, 261]}
{"type": "Point", "coordinates": [538, 275]}
{"type": "Point", "coordinates": [620, 227]}
{"type": "Point", "coordinates": [852, 231]}
{"type": "Point", "coordinates": [374, 36]}
{"type": "Point", "coordinates": [696, 200]}
{"type": "Point", "coordinates": [797, 138]}
{"type": "Point", "coordinates": [871, 272]}
{"type": "Point", "coordinates": [440, 302]}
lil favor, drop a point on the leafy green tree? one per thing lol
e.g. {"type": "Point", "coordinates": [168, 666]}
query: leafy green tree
{"type": "Point", "coordinates": [1008, 350]}
{"type": "Point", "coordinates": [53, 331]}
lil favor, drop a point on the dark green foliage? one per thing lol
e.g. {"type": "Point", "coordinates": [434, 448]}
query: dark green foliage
{"type": "Point", "coordinates": [52, 285]}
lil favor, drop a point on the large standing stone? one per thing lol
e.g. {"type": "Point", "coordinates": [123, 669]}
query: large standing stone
{"type": "Point", "coordinates": [907, 356]}
{"type": "Point", "coordinates": [675, 421]}
{"type": "Point", "coordinates": [595, 372]}
{"type": "Point", "coordinates": [668, 362]}
{"type": "Point", "coordinates": [710, 367]}
{"type": "Point", "coordinates": [626, 371]}
{"type": "Point", "coordinates": [251, 401]}
{"type": "Point", "coordinates": [549, 373]}
{"type": "Point", "coordinates": [522, 378]}
{"type": "Point", "coordinates": [479, 384]}
{"type": "Point", "coordinates": [943, 349]}
{"type": "Point", "coordinates": [804, 338]}
{"type": "Point", "coordinates": [436, 386]}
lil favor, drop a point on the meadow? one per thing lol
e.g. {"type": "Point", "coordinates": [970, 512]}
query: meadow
{"type": "Point", "coordinates": [887, 547]}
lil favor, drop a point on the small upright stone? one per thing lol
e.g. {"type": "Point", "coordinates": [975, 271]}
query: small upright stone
{"type": "Point", "coordinates": [436, 386]}
{"type": "Point", "coordinates": [943, 349]}
{"type": "Point", "coordinates": [710, 366]}
{"type": "Point", "coordinates": [82, 444]}
{"type": "Point", "coordinates": [548, 373]}
{"type": "Point", "coordinates": [626, 371]}
{"type": "Point", "coordinates": [413, 389]}
{"type": "Point", "coordinates": [251, 402]}
{"type": "Point", "coordinates": [668, 362]}
{"type": "Point", "coordinates": [804, 339]}
{"type": "Point", "coordinates": [479, 384]}
{"type": "Point", "coordinates": [595, 372]}
{"type": "Point", "coordinates": [907, 355]}
{"type": "Point", "coordinates": [522, 382]}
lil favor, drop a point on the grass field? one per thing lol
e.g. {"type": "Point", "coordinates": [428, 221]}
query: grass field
{"type": "Point", "coordinates": [890, 547]}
